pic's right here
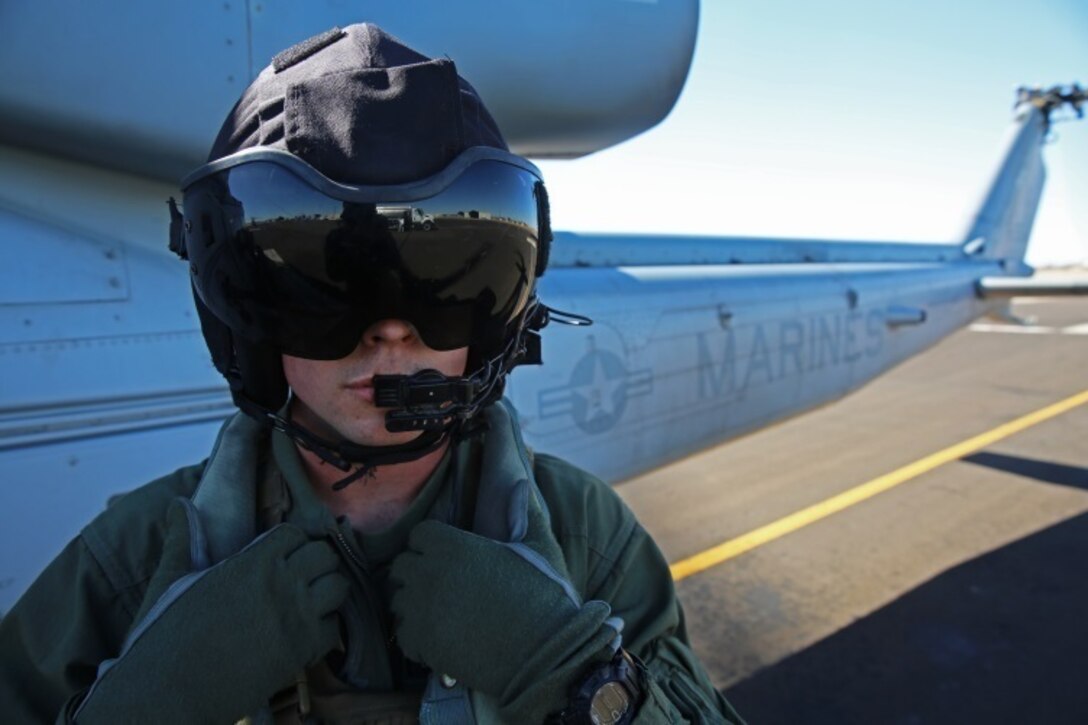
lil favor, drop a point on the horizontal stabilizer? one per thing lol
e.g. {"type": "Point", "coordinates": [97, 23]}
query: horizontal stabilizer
{"type": "Point", "coordinates": [1003, 287]}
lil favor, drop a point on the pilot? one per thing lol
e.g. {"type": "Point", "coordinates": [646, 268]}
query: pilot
{"type": "Point", "coordinates": [370, 540]}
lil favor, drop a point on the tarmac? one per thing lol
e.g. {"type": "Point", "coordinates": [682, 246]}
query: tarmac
{"type": "Point", "coordinates": [957, 595]}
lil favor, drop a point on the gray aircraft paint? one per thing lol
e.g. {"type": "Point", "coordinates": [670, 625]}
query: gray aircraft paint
{"type": "Point", "coordinates": [177, 68]}
{"type": "Point", "coordinates": [724, 350]}
{"type": "Point", "coordinates": [105, 382]}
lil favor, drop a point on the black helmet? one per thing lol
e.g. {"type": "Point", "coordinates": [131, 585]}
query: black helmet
{"type": "Point", "coordinates": [357, 180]}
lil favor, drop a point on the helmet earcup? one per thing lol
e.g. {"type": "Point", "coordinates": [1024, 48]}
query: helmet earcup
{"type": "Point", "coordinates": [261, 369]}
{"type": "Point", "coordinates": [217, 336]}
{"type": "Point", "coordinates": [253, 371]}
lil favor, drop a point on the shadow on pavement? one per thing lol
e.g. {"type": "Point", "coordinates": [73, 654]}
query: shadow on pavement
{"type": "Point", "coordinates": [999, 639]}
{"type": "Point", "coordinates": [1047, 471]}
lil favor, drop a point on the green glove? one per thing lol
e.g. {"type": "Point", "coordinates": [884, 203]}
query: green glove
{"type": "Point", "coordinates": [498, 618]}
{"type": "Point", "coordinates": [220, 642]}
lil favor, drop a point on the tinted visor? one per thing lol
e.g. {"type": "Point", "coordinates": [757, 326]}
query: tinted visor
{"type": "Point", "coordinates": [284, 256]}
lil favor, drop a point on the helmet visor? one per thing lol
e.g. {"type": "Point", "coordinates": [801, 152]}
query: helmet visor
{"type": "Point", "coordinates": [283, 255]}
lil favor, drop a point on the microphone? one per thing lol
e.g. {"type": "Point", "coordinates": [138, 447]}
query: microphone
{"type": "Point", "coordinates": [425, 400]}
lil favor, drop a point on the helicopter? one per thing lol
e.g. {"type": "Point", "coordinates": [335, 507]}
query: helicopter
{"type": "Point", "coordinates": [107, 382]}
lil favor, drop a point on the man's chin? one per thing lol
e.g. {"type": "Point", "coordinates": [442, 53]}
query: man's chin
{"type": "Point", "coordinates": [381, 437]}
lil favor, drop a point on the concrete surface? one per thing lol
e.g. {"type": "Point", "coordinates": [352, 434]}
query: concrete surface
{"type": "Point", "coordinates": [957, 597]}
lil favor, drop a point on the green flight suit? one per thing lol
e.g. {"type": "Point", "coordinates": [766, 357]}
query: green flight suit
{"type": "Point", "coordinates": [78, 612]}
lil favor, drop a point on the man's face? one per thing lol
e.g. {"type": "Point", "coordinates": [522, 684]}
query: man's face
{"type": "Point", "coordinates": [336, 397]}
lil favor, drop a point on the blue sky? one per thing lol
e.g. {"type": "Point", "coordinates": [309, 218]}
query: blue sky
{"type": "Point", "coordinates": [845, 119]}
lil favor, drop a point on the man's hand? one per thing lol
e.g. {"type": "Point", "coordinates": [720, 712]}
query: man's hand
{"type": "Point", "coordinates": [218, 643]}
{"type": "Point", "coordinates": [497, 617]}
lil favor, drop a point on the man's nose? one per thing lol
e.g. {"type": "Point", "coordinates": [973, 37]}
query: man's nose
{"type": "Point", "coordinates": [389, 331]}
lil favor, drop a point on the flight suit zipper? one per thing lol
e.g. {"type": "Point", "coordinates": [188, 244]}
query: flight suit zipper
{"type": "Point", "coordinates": [361, 571]}
{"type": "Point", "coordinates": [346, 549]}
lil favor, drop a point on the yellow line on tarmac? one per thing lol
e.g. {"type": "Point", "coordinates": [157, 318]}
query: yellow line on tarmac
{"type": "Point", "coordinates": [788, 524]}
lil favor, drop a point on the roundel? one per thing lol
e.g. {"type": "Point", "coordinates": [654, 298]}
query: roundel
{"type": "Point", "coordinates": [598, 387]}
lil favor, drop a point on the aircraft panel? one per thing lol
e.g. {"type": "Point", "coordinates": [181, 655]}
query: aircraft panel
{"type": "Point", "coordinates": [144, 86]}
{"type": "Point", "coordinates": [71, 482]}
{"type": "Point", "coordinates": [648, 250]}
{"type": "Point", "coordinates": [94, 269]}
{"type": "Point", "coordinates": [60, 65]}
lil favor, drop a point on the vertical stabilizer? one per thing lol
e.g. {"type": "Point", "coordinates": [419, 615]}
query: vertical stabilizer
{"type": "Point", "coordinates": [1001, 227]}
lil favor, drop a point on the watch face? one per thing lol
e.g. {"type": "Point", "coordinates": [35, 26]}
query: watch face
{"type": "Point", "coordinates": [610, 704]}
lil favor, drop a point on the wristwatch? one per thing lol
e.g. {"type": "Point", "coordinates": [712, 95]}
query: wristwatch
{"type": "Point", "coordinates": [608, 695]}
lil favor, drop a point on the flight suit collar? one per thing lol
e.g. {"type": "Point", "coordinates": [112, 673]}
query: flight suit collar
{"type": "Point", "coordinates": [290, 497]}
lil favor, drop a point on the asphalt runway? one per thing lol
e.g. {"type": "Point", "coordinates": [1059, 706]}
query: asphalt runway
{"type": "Point", "coordinates": [958, 596]}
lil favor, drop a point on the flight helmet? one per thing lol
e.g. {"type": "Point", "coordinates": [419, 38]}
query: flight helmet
{"type": "Point", "coordinates": [357, 180]}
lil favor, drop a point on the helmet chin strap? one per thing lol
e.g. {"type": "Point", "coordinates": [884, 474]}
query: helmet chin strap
{"type": "Point", "coordinates": [346, 455]}
{"type": "Point", "coordinates": [437, 405]}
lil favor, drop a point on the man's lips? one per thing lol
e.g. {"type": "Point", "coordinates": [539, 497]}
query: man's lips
{"type": "Point", "coordinates": [363, 382]}
{"type": "Point", "coordinates": [362, 387]}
